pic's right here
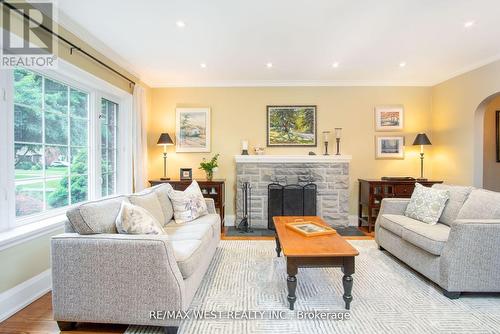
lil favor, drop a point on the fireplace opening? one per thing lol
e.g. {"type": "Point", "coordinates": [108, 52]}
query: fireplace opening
{"type": "Point", "coordinates": [290, 200]}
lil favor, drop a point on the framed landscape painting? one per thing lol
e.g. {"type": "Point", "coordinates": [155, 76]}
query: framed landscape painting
{"type": "Point", "coordinates": [291, 126]}
{"type": "Point", "coordinates": [389, 147]}
{"type": "Point", "coordinates": [192, 128]}
{"type": "Point", "coordinates": [389, 118]}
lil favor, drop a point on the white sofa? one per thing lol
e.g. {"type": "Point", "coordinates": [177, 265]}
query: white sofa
{"type": "Point", "coordinates": [461, 253]}
{"type": "Point", "coordinates": [101, 276]}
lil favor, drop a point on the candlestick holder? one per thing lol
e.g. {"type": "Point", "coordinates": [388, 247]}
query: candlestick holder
{"type": "Point", "coordinates": [325, 141]}
{"type": "Point", "coordinates": [338, 134]}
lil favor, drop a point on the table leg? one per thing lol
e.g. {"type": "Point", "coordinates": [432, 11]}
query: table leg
{"type": "Point", "coordinates": [291, 282]}
{"type": "Point", "coordinates": [278, 245]}
{"type": "Point", "coordinates": [347, 280]}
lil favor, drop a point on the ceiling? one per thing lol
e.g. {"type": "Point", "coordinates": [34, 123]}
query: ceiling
{"type": "Point", "coordinates": [302, 39]}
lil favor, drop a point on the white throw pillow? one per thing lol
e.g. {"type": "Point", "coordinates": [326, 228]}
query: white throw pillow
{"type": "Point", "coordinates": [133, 219]}
{"type": "Point", "coordinates": [188, 204]}
{"type": "Point", "coordinates": [427, 204]}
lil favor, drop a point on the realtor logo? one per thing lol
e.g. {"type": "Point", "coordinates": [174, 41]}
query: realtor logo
{"type": "Point", "coordinates": [27, 38]}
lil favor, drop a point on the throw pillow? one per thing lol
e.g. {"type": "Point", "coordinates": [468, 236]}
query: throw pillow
{"type": "Point", "coordinates": [133, 219]}
{"type": "Point", "coordinates": [427, 204]}
{"type": "Point", "coordinates": [188, 204]}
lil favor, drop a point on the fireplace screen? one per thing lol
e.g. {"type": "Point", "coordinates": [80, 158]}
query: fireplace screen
{"type": "Point", "coordinates": [290, 200]}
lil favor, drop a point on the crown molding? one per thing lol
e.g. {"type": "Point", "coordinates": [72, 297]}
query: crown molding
{"type": "Point", "coordinates": [467, 69]}
{"type": "Point", "coordinates": [291, 83]}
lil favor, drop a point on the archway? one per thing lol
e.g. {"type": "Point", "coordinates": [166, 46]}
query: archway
{"type": "Point", "coordinates": [479, 139]}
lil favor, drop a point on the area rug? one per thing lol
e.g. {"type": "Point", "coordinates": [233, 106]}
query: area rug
{"type": "Point", "coordinates": [388, 297]}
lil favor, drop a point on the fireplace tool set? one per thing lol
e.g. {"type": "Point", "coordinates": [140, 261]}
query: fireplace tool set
{"type": "Point", "coordinates": [245, 224]}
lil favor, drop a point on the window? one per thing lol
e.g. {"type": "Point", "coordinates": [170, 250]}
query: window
{"type": "Point", "coordinates": [62, 139]}
{"type": "Point", "coordinates": [50, 143]}
{"type": "Point", "coordinates": [109, 147]}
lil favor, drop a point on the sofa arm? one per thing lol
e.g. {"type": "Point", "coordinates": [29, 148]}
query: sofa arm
{"type": "Point", "coordinates": [210, 205]}
{"type": "Point", "coordinates": [114, 278]}
{"type": "Point", "coordinates": [471, 257]}
{"type": "Point", "coordinates": [395, 206]}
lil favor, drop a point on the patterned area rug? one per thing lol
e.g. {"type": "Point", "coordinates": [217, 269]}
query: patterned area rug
{"type": "Point", "coordinates": [388, 297]}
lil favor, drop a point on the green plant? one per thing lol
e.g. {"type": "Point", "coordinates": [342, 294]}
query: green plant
{"type": "Point", "coordinates": [211, 165]}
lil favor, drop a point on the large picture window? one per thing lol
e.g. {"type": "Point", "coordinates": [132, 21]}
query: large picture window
{"type": "Point", "coordinates": [62, 142]}
{"type": "Point", "coordinates": [50, 143]}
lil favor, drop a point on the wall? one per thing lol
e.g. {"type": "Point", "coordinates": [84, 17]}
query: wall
{"type": "Point", "coordinates": [458, 108]}
{"type": "Point", "coordinates": [491, 168]}
{"type": "Point", "coordinates": [240, 113]}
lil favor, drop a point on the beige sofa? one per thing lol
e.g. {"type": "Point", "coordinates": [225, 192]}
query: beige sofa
{"type": "Point", "coordinates": [461, 253]}
{"type": "Point", "coordinates": [101, 276]}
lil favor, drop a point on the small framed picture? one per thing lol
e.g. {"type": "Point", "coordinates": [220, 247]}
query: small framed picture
{"type": "Point", "coordinates": [389, 118]}
{"type": "Point", "coordinates": [186, 174]}
{"type": "Point", "coordinates": [192, 129]}
{"type": "Point", "coordinates": [389, 147]}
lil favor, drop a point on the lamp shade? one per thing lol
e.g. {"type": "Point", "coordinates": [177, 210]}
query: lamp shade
{"type": "Point", "coordinates": [422, 139]}
{"type": "Point", "coordinates": [165, 139]}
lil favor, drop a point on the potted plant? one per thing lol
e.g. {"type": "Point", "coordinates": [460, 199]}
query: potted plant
{"type": "Point", "coordinates": [210, 166]}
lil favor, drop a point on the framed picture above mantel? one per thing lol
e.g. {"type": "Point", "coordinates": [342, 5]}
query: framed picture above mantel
{"type": "Point", "coordinates": [192, 129]}
{"type": "Point", "coordinates": [291, 125]}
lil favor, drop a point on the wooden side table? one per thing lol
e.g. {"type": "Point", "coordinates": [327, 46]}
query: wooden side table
{"type": "Point", "coordinates": [214, 189]}
{"type": "Point", "coordinates": [371, 193]}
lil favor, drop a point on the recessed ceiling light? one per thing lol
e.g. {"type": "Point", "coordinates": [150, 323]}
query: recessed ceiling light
{"type": "Point", "coordinates": [203, 65]}
{"type": "Point", "coordinates": [180, 24]}
{"type": "Point", "coordinates": [269, 65]}
{"type": "Point", "coordinates": [469, 24]}
{"type": "Point", "coordinates": [335, 65]}
{"type": "Point", "coordinates": [402, 64]}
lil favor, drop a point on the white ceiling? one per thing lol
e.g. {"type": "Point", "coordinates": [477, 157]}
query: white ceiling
{"type": "Point", "coordinates": [302, 39]}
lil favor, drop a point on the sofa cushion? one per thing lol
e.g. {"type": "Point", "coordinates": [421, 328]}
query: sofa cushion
{"type": "Point", "coordinates": [430, 238]}
{"type": "Point", "coordinates": [188, 232]}
{"type": "Point", "coordinates": [188, 204]}
{"type": "Point", "coordinates": [426, 204]}
{"type": "Point", "coordinates": [97, 216]}
{"type": "Point", "coordinates": [161, 191]}
{"type": "Point", "coordinates": [211, 219]}
{"type": "Point", "coordinates": [396, 223]}
{"type": "Point", "coordinates": [458, 196]}
{"type": "Point", "coordinates": [188, 254]}
{"type": "Point", "coordinates": [148, 200]}
{"type": "Point", "coordinates": [133, 219]}
{"type": "Point", "coordinates": [481, 204]}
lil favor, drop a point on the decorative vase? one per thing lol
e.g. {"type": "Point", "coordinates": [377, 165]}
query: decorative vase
{"type": "Point", "coordinates": [210, 175]}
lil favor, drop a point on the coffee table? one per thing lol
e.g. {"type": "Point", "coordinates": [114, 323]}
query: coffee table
{"type": "Point", "coordinates": [313, 252]}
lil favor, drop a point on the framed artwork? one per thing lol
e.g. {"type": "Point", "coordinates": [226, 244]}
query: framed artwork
{"type": "Point", "coordinates": [498, 135]}
{"type": "Point", "coordinates": [186, 173]}
{"type": "Point", "coordinates": [291, 126]}
{"type": "Point", "coordinates": [389, 118]}
{"type": "Point", "coordinates": [192, 129]}
{"type": "Point", "coordinates": [389, 147]}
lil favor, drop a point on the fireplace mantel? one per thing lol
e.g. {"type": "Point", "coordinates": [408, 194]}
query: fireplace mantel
{"type": "Point", "coordinates": [292, 158]}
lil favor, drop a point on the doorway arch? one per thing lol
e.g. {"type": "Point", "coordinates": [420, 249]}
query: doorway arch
{"type": "Point", "coordinates": [479, 139]}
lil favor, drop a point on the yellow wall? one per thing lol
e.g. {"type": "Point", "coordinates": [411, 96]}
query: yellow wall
{"type": "Point", "coordinates": [457, 127]}
{"type": "Point", "coordinates": [491, 168]}
{"type": "Point", "coordinates": [240, 113]}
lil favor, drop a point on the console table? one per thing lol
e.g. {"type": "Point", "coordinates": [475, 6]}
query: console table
{"type": "Point", "coordinates": [371, 193]}
{"type": "Point", "coordinates": [214, 189]}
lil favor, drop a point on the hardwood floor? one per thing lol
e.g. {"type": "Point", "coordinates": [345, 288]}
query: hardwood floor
{"type": "Point", "coordinates": [38, 318]}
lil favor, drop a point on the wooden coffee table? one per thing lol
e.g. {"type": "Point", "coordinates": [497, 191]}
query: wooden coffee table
{"type": "Point", "coordinates": [313, 252]}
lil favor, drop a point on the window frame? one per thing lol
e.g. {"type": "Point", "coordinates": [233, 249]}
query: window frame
{"type": "Point", "coordinates": [78, 79]}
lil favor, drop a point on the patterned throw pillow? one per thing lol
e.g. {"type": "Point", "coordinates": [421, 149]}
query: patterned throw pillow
{"type": "Point", "coordinates": [188, 204]}
{"type": "Point", "coordinates": [427, 204]}
{"type": "Point", "coordinates": [133, 219]}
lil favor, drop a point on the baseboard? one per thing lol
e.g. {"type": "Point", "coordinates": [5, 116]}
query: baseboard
{"type": "Point", "coordinates": [20, 296]}
{"type": "Point", "coordinates": [229, 220]}
{"type": "Point", "coordinates": [353, 220]}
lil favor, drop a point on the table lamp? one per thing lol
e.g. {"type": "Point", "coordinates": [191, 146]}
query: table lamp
{"type": "Point", "coordinates": [422, 140]}
{"type": "Point", "coordinates": [165, 140]}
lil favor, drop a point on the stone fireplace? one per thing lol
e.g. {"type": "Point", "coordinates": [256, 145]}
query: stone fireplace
{"type": "Point", "coordinates": [329, 173]}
